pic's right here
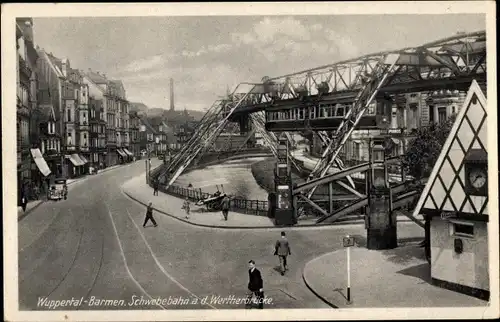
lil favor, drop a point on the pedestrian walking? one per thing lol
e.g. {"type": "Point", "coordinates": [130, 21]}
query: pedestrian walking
{"type": "Point", "coordinates": [24, 202]}
{"type": "Point", "coordinates": [225, 206]}
{"type": "Point", "coordinates": [155, 187]}
{"type": "Point", "coordinates": [282, 250]}
{"type": "Point", "coordinates": [149, 215]}
{"type": "Point", "coordinates": [65, 191]}
{"type": "Point", "coordinates": [187, 207]}
{"type": "Point", "coordinates": [255, 285]}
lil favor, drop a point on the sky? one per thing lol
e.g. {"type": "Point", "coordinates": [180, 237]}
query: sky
{"type": "Point", "coordinates": [206, 55]}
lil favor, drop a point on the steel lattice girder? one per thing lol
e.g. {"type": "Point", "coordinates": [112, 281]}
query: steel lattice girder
{"type": "Point", "coordinates": [211, 126]}
{"type": "Point", "coordinates": [446, 59]}
{"type": "Point", "coordinates": [352, 117]}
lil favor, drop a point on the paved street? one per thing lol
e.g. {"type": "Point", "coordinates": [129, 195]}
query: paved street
{"type": "Point", "coordinates": [69, 249]}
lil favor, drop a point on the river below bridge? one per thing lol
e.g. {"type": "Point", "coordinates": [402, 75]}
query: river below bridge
{"type": "Point", "coordinates": [235, 176]}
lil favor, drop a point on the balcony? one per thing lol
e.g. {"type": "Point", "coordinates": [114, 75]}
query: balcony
{"type": "Point", "coordinates": [71, 147]}
{"type": "Point", "coordinates": [84, 148]}
{"type": "Point", "coordinates": [51, 153]}
{"type": "Point", "coordinates": [84, 126]}
{"type": "Point", "coordinates": [23, 67]}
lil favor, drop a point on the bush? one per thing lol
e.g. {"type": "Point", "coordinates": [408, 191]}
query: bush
{"type": "Point", "coordinates": [263, 172]}
{"type": "Point", "coordinates": [423, 151]}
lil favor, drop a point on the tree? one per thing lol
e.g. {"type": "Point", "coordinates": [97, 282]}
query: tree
{"type": "Point", "coordinates": [423, 151]}
{"type": "Point", "coordinates": [421, 156]}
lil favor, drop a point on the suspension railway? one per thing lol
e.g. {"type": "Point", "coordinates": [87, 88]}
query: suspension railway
{"type": "Point", "coordinates": [333, 101]}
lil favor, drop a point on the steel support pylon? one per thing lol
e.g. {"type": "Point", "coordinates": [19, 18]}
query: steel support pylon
{"type": "Point", "coordinates": [365, 96]}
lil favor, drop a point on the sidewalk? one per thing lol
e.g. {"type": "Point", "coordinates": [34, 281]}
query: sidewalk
{"type": "Point", "coordinates": [33, 204]}
{"type": "Point", "coordinates": [138, 190]}
{"type": "Point", "coordinates": [381, 279]}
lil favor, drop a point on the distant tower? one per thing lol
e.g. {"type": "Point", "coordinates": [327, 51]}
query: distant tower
{"type": "Point", "coordinates": [171, 94]}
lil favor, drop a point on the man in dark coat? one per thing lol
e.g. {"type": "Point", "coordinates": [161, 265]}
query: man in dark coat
{"type": "Point", "coordinates": [225, 206]}
{"type": "Point", "coordinates": [155, 187]}
{"type": "Point", "coordinates": [282, 250]}
{"type": "Point", "coordinates": [149, 215]}
{"type": "Point", "coordinates": [255, 285]}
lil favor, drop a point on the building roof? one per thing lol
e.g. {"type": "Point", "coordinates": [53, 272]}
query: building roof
{"type": "Point", "coordinates": [53, 61]}
{"type": "Point", "coordinates": [47, 113]}
{"type": "Point", "coordinates": [149, 127]}
{"type": "Point", "coordinates": [167, 129]}
{"type": "Point", "coordinates": [444, 191]}
{"type": "Point", "coordinates": [97, 77]}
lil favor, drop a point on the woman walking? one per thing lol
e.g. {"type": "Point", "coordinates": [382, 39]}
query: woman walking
{"type": "Point", "coordinates": [187, 207]}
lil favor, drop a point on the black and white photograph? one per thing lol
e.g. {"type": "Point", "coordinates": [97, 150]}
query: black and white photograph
{"type": "Point", "coordinates": [250, 161]}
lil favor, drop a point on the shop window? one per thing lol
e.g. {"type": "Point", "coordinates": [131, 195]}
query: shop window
{"type": "Point", "coordinates": [462, 229]}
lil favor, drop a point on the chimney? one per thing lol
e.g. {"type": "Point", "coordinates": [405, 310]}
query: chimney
{"type": "Point", "coordinates": [172, 106]}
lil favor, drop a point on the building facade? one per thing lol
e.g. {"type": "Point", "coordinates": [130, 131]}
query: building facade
{"type": "Point", "coordinates": [407, 113]}
{"type": "Point", "coordinates": [98, 89]}
{"type": "Point", "coordinates": [134, 124]}
{"type": "Point", "coordinates": [117, 99]}
{"type": "Point", "coordinates": [97, 133]}
{"type": "Point", "coordinates": [147, 141]}
{"type": "Point", "coordinates": [49, 140]}
{"type": "Point", "coordinates": [27, 85]}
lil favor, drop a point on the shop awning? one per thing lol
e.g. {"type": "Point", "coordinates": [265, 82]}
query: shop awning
{"type": "Point", "coordinates": [120, 152]}
{"type": "Point", "coordinates": [80, 161]}
{"type": "Point", "coordinates": [40, 162]}
{"type": "Point", "coordinates": [75, 161]}
{"type": "Point", "coordinates": [127, 152]}
{"type": "Point", "coordinates": [85, 161]}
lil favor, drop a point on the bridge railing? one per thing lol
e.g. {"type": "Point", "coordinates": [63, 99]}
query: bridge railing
{"type": "Point", "coordinates": [251, 207]}
{"type": "Point", "coordinates": [240, 205]}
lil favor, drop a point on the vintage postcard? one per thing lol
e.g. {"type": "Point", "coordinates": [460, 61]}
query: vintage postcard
{"type": "Point", "coordinates": [250, 161]}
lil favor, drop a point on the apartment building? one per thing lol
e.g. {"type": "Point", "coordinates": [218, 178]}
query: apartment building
{"type": "Point", "coordinates": [97, 123]}
{"type": "Point", "coordinates": [66, 90]}
{"type": "Point", "coordinates": [26, 85]}
{"type": "Point", "coordinates": [135, 122]}
{"type": "Point", "coordinates": [409, 112]}
{"type": "Point", "coordinates": [49, 140]}
{"type": "Point", "coordinates": [116, 97]}
{"type": "Point", "coordinates": [98, 89]}
{"type": "Point", "coordinates": [147, 136]}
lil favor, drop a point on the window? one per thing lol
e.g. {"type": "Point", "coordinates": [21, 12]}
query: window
{"type": "Point", "coordinates": [357, 149]}
{"type": "Point", "coordinates": [68, 114]}
{"type": "Point", "coordinates": [461, 228]}
{"type": "Point", "coordinates": [339, 110]}
{"type": "Point", "coordinates": [441, 114]}
{"type": "Point", "coordinates": [453, 111]}
{"type": "Point", "coordinates": [378, 153]}
{"type": "Point", "coordinates": [51, 128]}
{"type": "Point", "coordinates": [431, 114]}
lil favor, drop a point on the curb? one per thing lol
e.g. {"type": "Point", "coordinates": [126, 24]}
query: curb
{"type": "Point", "coordinates": [316, 293]}
{"type": "Point", "coordinates": [322, 298]}
{"type": "Point", "coordinates": [346, 223]}
{"type": "Point", "coordinates": [19, 218]}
